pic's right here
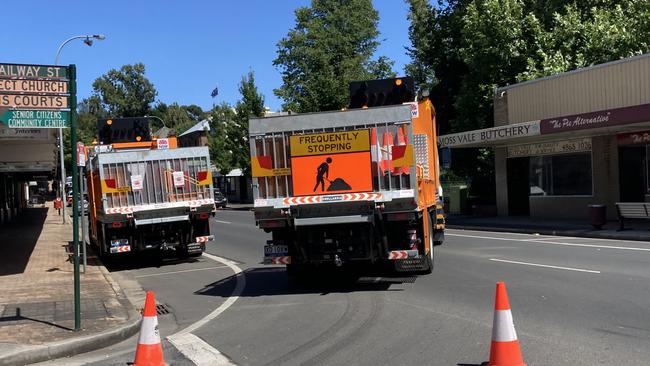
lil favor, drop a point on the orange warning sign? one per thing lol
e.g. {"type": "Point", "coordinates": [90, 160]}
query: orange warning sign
{"type": "Point", "coordinates": [330, 174]}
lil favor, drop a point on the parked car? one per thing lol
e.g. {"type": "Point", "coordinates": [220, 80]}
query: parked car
{"type": "Point", "coordinates": [220, 201]}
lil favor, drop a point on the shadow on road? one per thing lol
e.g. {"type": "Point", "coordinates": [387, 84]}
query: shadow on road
{"type": "Point", "coordinates": [18, 239]}
{"type": "Point", "coordinates": [143, 260]}
{"type": "Point", "coordinates": [274, 281]}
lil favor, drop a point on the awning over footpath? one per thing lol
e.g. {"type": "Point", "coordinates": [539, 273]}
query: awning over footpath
{"type": "Point", "coordinates": [605, 122]}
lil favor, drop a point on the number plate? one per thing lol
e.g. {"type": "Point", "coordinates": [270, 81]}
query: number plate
{"type": "Point", "coordinates": [276, 250]}
{"type": "Point", "coordinates": [119, 242]}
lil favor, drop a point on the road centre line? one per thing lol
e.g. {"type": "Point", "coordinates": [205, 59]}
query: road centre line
{"type": "Point", "coordinates": [553, 243]}
{"type": "Point", "coordinates": [545, 266]}
{"type": "Point", "coordinates": [222, 222]}
{"type": "Point", "coordinates": [543, 237]}
{"type": "Point", "coordinates": [186, 342]}
{"type": "Point", "coordinates": [182, 271]}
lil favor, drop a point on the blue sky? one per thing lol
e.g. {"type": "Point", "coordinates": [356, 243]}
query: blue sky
{"type": "Point", "coordinates": [188, 47]}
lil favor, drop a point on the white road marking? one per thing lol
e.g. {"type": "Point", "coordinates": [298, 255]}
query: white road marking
{"type": "Point", "coordinates": [545, 266]}
{"type": "Point", "coordinates": [182, 271]}
{"type": "Point", "coordinates": [198, 350]}
{"type": "Point", "coordinates": [554, 243]}
{"type": "Point", "coordinates": [222, 222]}
{"type": "Point", "coordinates": [542, 237]}
{"type": "Point", "coordinates": [201, 353]}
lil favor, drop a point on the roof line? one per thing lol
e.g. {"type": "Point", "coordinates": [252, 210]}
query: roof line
{"type": "Point", "coordinates": [576, 71]}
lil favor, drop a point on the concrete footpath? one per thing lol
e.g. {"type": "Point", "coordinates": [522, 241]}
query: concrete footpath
{"type": "Point", "coordinates": [36, 294]}
{"type": "Point", "coordinates": [636, 230]}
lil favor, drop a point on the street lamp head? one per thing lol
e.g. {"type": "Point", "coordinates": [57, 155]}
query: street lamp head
{"type": "Point", "coordinates": [100, 37]}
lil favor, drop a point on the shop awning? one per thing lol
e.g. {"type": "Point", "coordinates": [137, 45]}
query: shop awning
{"type": "Point", "coordinates": [605, 122]}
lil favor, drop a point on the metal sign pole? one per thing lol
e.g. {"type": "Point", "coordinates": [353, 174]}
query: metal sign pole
{"type": "Point", "coordinates": [72, 70]}
{"type": "Point", "coordinates": [83, 217]}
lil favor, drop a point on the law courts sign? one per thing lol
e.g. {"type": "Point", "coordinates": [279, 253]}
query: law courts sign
{"type": "Point", "coordinates": [34, 96]}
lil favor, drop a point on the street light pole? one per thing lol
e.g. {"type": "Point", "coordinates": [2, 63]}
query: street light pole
{"type": "Point", "coordinates": [89, 42]}
{"type": "Point", "coordinates": [158, 118]}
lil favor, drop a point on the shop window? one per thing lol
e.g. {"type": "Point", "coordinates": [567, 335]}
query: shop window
{"type": "Point", "coordinates": [561, 175]}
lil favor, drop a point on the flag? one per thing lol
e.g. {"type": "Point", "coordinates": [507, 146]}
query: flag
{"type": "Point", "coordinates": [215, 92]}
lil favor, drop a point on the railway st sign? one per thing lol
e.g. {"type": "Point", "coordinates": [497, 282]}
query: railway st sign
{"type": "Point", "coordinates": [34, 96]}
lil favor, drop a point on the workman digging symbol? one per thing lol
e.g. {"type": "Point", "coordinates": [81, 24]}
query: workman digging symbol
{"type": "Point", "coordinates": [322, 174]}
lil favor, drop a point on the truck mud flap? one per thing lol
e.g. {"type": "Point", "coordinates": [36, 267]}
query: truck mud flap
{"type": "Point", "coordinates": [417, 264]}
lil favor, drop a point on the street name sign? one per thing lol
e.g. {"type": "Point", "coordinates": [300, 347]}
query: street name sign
{"type": "Point", "coordinates": [33, 71]}
{"type": "Point", "coordinates": [33, 86]}
{"type": "Point", "coordinates": [34, 96]}
{"type": "Point", "coordinates": [34, 118]}
{"type": "Point", "coordinates": [33, 101]}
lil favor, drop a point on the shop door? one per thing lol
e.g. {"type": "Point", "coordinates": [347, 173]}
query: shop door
{"type": "Point", "coordinates": [518, 186]}
{"type": "Point", "coordinates": [631, 173]}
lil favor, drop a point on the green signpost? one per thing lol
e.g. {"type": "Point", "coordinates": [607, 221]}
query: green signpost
{"type": "Point", "coordinates": [45, 96]}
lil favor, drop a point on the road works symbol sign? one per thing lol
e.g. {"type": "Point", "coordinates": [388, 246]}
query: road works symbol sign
{"type": "Point", "coordinates": [328, 163]}
{"type": "Point", "coordinates": [34, 96]}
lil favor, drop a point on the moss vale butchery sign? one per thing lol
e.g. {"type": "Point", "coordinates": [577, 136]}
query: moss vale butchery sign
{"type": "Point", "coordinates": [34, 96]}
{"type": "Point", "coordinates": [489, 135]}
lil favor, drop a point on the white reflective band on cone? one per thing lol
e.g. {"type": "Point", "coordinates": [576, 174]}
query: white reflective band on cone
{"type": "Point", "coordinates": [149, 331]}
{"type": "Point", "coordinates": [503, 328]}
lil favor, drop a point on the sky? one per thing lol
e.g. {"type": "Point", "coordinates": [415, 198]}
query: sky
{"type": "Point", "coordinates": [188, 47]}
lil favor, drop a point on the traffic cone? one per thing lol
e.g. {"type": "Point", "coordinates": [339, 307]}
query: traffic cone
{"type": "Point", "coordinates": [504, 350]}
{"type": "Point", "coordinates": [401, 141]}
{"type": "Point", "coordinates": [149, 351]}
{"type": "Point", "coordinates": [374, 152]}
{"type": "Point", "coordinates": [386, 152]}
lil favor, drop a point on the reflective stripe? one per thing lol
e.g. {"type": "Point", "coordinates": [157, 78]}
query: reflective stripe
{"type": "Point", "coordinates": [503, 328]}
{"type": "Point", "coordinates": [149, 331]}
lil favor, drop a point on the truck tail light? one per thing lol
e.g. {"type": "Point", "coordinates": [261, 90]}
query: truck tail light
{"type": "Point", "coordinates": [117, 225]}
{"type": "Point", "coordinates": [204, 215]}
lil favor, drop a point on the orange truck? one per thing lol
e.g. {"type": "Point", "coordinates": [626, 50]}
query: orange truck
{"type": "Point", "coordinates": [146, 194]}
{"type": "Point", "coordinates": [359, 185]}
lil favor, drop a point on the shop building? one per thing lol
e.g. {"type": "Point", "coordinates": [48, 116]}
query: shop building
{"type": "Point", "coordinates": [564, 142]}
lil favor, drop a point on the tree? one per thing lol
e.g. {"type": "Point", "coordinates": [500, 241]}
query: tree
{"type": "Point", "coordinates": [176, 117]}
{"type": "Point", "coordinates": [220, 155]}
{"type": "Point", "coordinates": [331, 44]}
{"type": "Point", "coordinates": [125, 93]}
{"type": "Point", "coordinates": [250, 105]}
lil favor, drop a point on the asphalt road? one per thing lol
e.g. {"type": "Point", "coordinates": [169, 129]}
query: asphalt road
{"type": "Point", "coordinates": [575, 301]}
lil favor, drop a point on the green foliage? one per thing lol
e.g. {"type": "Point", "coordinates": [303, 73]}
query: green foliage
{"type": "Point", "coordinates": [228, 141]}
{"type": "Point", "coordinates": [250, 105]}
{"type": "Point", "coordinates": [331, 44]}
{"type": "Point", "coordinates": [222, 116]}
{"type": "Point", "coordinates": [125, 93]}
{"type": "Point", "coordinates": [177, 117]}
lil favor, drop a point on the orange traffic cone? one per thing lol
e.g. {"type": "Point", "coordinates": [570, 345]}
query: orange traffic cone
{"type": "Point", "coordinates": [149, 351]}
{"type": "Point", "coordinates": [504, 350]}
